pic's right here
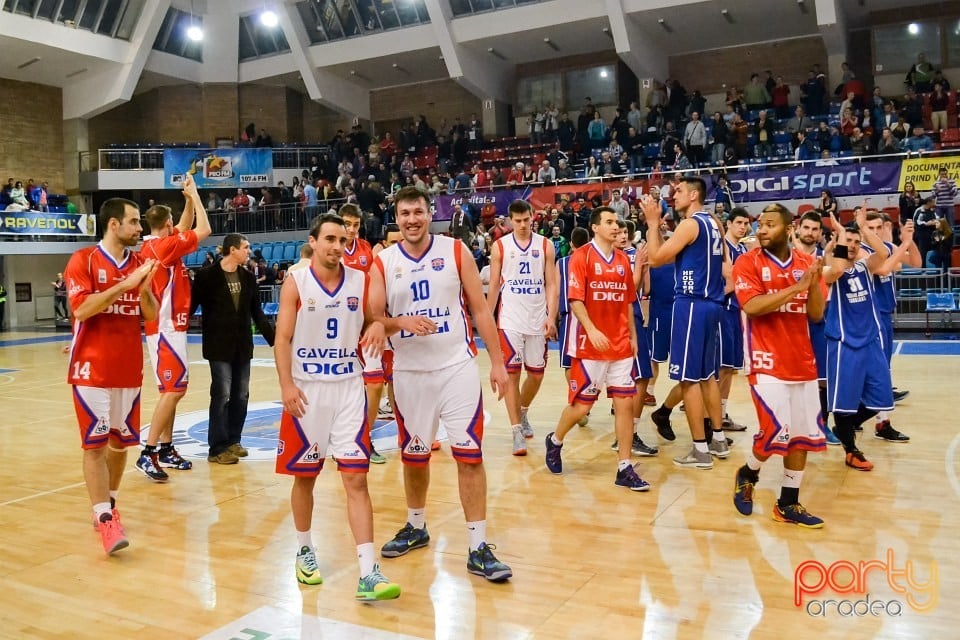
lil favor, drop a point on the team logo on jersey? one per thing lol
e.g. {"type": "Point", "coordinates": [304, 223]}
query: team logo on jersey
{"type": "Point", "coordinates": [437, 264]}
{"type": "Point", "coordinates": [535, 253]}
{"type": "Point", "coordinates": [102, 276]}
{"type": "Point", "coordinates": [597, 268]}
{"type": "Point", "coordinates": [102, 428]}
{"type": "Point", "coordinates": [573, 386]}
{"type": "Point", "coordinates": [279, 447]}
{"type": "Point", "coordinates": [765, 274]}
{"type": "Point", "coordinates": [311, 455]}
{"type": "Point", "coordinates": [167, 375]}
{"type": "Point", "coordinates": [363, 261]}
{"type": "Point", "coordinates": [798, 273]}
{"type": "Point", "coordinates": [417, 446]}
{"type": "Point", "coordinates": [619, 269]}
{"type": "Point", "coordinates": [397, 273]}
{"type": "Point", "coordinates": [353, 303]}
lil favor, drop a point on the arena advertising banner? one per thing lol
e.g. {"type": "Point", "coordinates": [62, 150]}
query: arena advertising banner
{"type": "Point", "coordinates": [923, 172]}
{"type": "Point", "coordinates": [39, 223]}
{"type": "Point", "coordinates": [218, 168]}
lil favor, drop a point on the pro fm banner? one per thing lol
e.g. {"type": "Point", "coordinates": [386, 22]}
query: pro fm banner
{"type": "Point", "coordinates": [219, 168]}
{"type": "Point", "coordinates": [40, 223]}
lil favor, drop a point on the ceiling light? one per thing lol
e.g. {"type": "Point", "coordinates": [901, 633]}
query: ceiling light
{"type": "Point", "coordinates": [495, 53]}
{"type": "Point", "coordinates": [268, 18]}
{"type": "Point", "coordinates": [913, 28]}
{"type": "Point", "coordinates": [550, 44]}
{"type": "Point", "coordinates": [802, 6]}
{"type": "Point", "coordinates": [606, 32]}
{"type": "Point", "coordinates": [195, 33]}
{"type": "Point", "coordinates": [77, 72]}
{"type": "Point", "coordinates": [28, 63]}
{"type": "Point", "coordinates": [726, 15]}
{"type": "Point", "coordinates": [603, 73]}
{"type": "Point", "coordinates": [666, 27]}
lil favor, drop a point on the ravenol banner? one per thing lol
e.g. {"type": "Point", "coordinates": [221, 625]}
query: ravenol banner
{"type": "Point", "coordinates": [39, 223]}
{"type": "Point", "coordinates": [923, 172]}
{"type": "Point", "coordinates": [218, 168]}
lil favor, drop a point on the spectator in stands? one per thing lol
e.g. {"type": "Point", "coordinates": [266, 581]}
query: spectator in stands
{"type": "Point", "coordinates": [938, 77]}
{"type": "Point", "coordinates": [264, 139]}
{"type": "Point", "coordinates": [925, 219]}
{"type": "Point", "coordinates": [780, 98]}
{"type": "Point", "coordinates": [566, 132]}
{"type": "Point", "coordinates": [945, 191]}
{"type": "Point", "coordinates": [597, 132]}
{"type": "Point", "coordinates": [515, 176]}
{"type": "Point", "coordinates": [718, 138]}
{"type": "Point", "coordinates": [500, 229]}
{"type": "Point", "coordinates": [564, 172]}
{"type": "Point", "coordinates": [918, 142]}
{"type": "Point", "coordinates": [848, 122]}
{"type": "Point", "coordinates": [909, 202]}
{"type": "Point", "coordinates": [805, 148]}
{"type": "Point", "coordinates": [634, 116]}
{"type": "Point", "coordinates": [913, 108]}
{"type": "Point", "coordinates": [740, 131]}
{"type": "Point", "coordinates": [812, 93]}
{"type": "Point", "coordinates": [799, 122]}
{"type": "Point", "coordinates": [724, 194]}
{"type": "Point", "coordinates": [474, 129]}
{"type": "Point", "coordinates": [680, 160]}
{"type": "Point", "coordinates": [655, 120]}
{"type": "Point", "coordinates": [497, 179]}
{"type": "Point", "coordinates": [41, 200]}
{"type": "Point", "coordinates": [461, 225]}
{"type": "Point", "coordinates": [215, 202]}
{"type": "Point", "coordinates": [886, 117]}
{"type": "Point", "coordinates": [18, 196]}
{"type": "Point", "coordinates": [60, 298]}
{"type": "Point", "coordinates": [755, 94]}
{"type": "Point", "coordinates": [547, 174]}
{"type": "Point", "coordinates": [763, 130]}
{"type": "Point", "coordinates": [695, 138]}
{"type": "Point", "coordinates": [920, 75]}
{"type": "Point", "coordinates": [7, 188]}
{"type": "Point", "coordinates": [859, 143]}
{"type": "Point", "coordinates": [941, 246]}
{"type": "Point", "coordinates": [827, 206]}
{"type": "Point", "coordinates": [938, 109]}
{"type": "Point", "coordinates": [529, 174]}
{"type": "Point", "coordinates": [208, 259]}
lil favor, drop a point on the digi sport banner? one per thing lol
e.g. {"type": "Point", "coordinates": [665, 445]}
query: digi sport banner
{"type": "Point", "coordinates": [219, 168]}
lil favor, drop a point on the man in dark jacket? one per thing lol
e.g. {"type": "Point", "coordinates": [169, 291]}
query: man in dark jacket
{"type": "Point", "coordinates": [228, 296]}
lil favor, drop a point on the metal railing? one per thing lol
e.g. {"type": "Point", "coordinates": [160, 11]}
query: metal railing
{"type": "Point", "coordinates": [290, 216]}
{"type": "Point", "coordinates": [913, 286]}
{"type": "Point", "coordinates": [151, 158]}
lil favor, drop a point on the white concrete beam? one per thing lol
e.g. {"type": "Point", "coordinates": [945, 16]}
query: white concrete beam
{"type": "Point", "coordinates": [525, 18]}
{"type": "Point", "coordinates": [323, 86]}
{"type": "Point", "coordinates": [79, 41]}
{"type": "Point", "coordinates": [632, 46]}
{"type": "Point", "coordinates": [221, 35]}
{"type": "Point", "coordinates": [833, 26]}
{"type": "Point", "coordinates": [88, 97]}
{"type": "Point", "coordinates": [261, 68]}
{"type": "Point", "coordinates": [375, 45]}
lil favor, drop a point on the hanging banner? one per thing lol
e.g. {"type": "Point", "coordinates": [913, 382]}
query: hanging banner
{"type": "Point", "coordinates": [924, 172]}
{"type": "Point", "coordinates": [803, 183]}
{"type": "Point", "coordinates": [40, 223]}
{"type": "Point", "coordinates": [219, 168]}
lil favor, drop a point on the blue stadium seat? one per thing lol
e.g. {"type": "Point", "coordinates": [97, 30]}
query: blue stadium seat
{"type": "Point", "coordinates": [290, 252]}
{"type": "Point", "coordinates": [267, 251]}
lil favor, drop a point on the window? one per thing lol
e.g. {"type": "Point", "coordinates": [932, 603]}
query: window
{"type": "Point", "coordinates": [896, 47]}
{"type": "Point", "coordinates": [258, 40]}
{"type": "Point", "coordinates": [534, 93]}
{"type": "Point", "coordinates": [599, 83]}
{"type": "Point", "coordinates": [952, 31]}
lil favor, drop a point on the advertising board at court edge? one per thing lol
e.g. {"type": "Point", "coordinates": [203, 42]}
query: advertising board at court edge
{"type": "Point", "coordinates": [875, 588]}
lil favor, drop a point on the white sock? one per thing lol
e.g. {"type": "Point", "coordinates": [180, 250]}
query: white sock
{"type": "Point", "coordinates": [478, 533]}
{"type": "Point", "coordinates": [636, 421]}
{"type": "Point", "coordinates": [623, 464]}
{"type": "Point", "coordinates": [523, 413]}
{"type": "Point", "coordinates": [367, 558]}
{"type": "Point", "coordinates": [417, 518]}
{"type": "Point", "coordinates": [553, 439]}
{"type": "Point", "coordinates": [723, 408]}
{"type": "Point", "coordinates": [752, 462]}
{"type": "Point", "coordinates": [304, 539]}
{"type": "Point", "coordinates": [702, 447]}
{"type": "Point", "coordinates": [516, 428]}
{"type": "Point", "coordinates": [650, 389]}
{"type": "Point", "coordinates": [101, 508]}
{"type": "Point", "coordinates": [791, 479]}
{"type": "Point", "coordinates": [881, 416]}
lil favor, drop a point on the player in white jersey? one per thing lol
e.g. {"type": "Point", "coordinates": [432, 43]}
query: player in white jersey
{"type": "Point", "coordinates": [523, 265]}
{"type": "Point", "coordinates": [421, 288]}
{"type": "Point", "coordinates": [323, 310]}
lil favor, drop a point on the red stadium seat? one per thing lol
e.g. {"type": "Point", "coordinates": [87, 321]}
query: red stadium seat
{"type": "Point", "coordinates": [846, 216]}
{"type": "Point", "coordinates": [955, 258]}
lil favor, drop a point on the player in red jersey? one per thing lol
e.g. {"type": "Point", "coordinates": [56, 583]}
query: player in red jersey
{"type": "Point", "coordinates": [108, 291]}
{"type": "Point", "coordinates": [359, 254]}
{"type": "Point", "coordinates": [779, 289]}
{"type": "Point", "coordinates": [167, 335]}
{"type": "Point", "coordinates": [602, 343]}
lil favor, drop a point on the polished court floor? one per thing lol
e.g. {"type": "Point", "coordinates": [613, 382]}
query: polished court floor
{"type": "Point", "coordinates": [212, 551]}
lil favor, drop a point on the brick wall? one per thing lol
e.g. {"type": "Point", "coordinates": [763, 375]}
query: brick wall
{"type": "Point", "coordinates": [220, 104]}
{"type": "Point", "coordinates": [265, 106]}
{"type": "Point", "coordinates": [435, 100]}
{"type": "Point", "coordinates": [32, 144]}
{"type": "Point", "coordinates": [708, 71]}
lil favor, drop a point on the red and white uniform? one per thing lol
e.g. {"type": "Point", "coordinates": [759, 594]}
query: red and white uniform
{"type": "Point", "coordinates": [106, 355]}
{"type": "Point", "coordinates": [604, 284]}
{"type": "Point", "coordinates": [360, 256]}
{"type": "Point", "coordinates": [523, 303]}
{"type": "Point", "coordinates": [326, 367]}
{"type": "Point", "coordinates": [167, 335]}
{"type": "Point", "coordinates": [779, 356]}
{"type": "Point", "coordinates": [435, 376]}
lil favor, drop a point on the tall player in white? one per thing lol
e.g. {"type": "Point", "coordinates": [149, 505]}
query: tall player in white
{"type": "Point", "coordinates": [429, 282]}
{"type": "Point", "coordinates": [523, 265]}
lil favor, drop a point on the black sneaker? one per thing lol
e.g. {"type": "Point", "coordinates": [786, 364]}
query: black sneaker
{"type": "Point", "coordinates": [552, 456]}
{"type": "Point", "coordinates": [663, 426]}
{"type": "Point", "coordinates": [886, 432]}
{"type": "Point", "coordinates": [482, 562]}
{"type": "Point", "coordinates": [628, 478]}
{"type": "Point", "coordinates": [640, 448]}
{"type": "Point", "coordinates": [899, 395]}
{"type": "Point", "coordinates": [406, 540]}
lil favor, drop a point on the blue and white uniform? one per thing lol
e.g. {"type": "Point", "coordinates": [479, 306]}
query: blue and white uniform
{"type": "Point", "coordinates": [885, 299]}
{"type": "Point", "coordinates": [662, 294]}
{"type": "Point", "coordinates": [642, 366]}
{"type": "Point", "coordinates": [731, 327]}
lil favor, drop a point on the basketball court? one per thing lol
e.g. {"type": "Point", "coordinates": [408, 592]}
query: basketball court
{"type": "Point", "coordinates": [212, 551]}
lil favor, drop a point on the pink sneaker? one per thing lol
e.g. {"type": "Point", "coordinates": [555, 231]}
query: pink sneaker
{"type": "Point", "coordinates": [116, 518]}
{"type": "Point", "coordinates": [112, 536]}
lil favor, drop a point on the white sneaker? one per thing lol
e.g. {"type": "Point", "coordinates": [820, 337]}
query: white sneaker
{"type": "Point", "coordinates": [719, 447]}
{"type": "Point", "coordinates": [519, 442]}
{"type": "Point", "coordinates": [695, 460]}
{"type": "Point", "coordinates": [525, 428]}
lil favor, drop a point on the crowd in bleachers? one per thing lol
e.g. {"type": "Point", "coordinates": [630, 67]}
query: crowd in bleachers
{"type": "Point", "coordinates": [32, 196]}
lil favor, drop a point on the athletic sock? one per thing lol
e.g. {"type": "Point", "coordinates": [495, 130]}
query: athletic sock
{"type": "Point", "coordinates": [752, 475]}
{"type": "Point", "coordinates": [417, 518]}
{"type": "Point", "coordinates": [882, 416]}
{"type": "Point", "coordinates": [844, 430]}
{"type": "Point", "coordinates": [664, 410]}
{"type": "Point", "coordinates": [623, 464]}
{"type": "Point", "coordinates": [149, 448]}
{"type": "Point", "coordinates": [101, 511]}
{"type": "Point", "coordinates": [166, 446]}
{"type": "Point", "coordinates": [701, 446]}
{"type": "Point", "coordinates": [478, 533]}
{"type": "Point", "coordinates": [753, 463]}
{"type": "Point", "coordinates": [366, 556]}
{"type": "Point", "coordinates": [523, 413]}
{"type": "Point", "coordinates": [113, 498]}
{"type": "Point", "coordinates": [553, 439]}
{"type": "Point", "coordinates": [723, 407]}
{"type": "Point", "coordinates": [304, 539]}
{"type": "Point", "coordinates": [790, 487]}
{"type": "Point", "coordinates": [824, 411]}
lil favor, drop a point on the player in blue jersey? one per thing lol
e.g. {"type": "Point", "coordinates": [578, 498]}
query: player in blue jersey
{"type": "Point", "coordinates": [731, 331]}
{"type": "Point", "coordinates": [660, 285]}
{"type": "Point", "coordinates": [886, 301]}
{"type": "Point", "coordinates": [698, 250]}
{"type": "Point", "coordinates": [807, 236]}
{"type": "Point", "coordinates": [858, 377]}
{"type": "Point", "coordinates": [578, 237]}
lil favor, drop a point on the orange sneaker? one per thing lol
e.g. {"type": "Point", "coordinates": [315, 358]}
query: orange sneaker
{"type": "Point", "coordinates": [112, 536]}
{"type": "Point", "coordinates": [856, 460]}
{"type": "Point", "coordinates": [435, 446]}
{"type": "Point", "coordinates": [649, 400]}
{"type": "Point", "coordinates": [116, 518]}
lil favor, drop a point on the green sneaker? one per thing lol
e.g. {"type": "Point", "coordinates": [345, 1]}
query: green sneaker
{"type": "Point", "coordinates": [307, 570]}
{"type": "Point", "coordinates": [376, 457]}
{"type": "Point", "coordinates": [482, 562]}
{"type": "Point", "coordinates": [376, 587]}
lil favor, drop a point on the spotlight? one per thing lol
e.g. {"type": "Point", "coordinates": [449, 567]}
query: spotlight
{"type": "Point", "coordinates": [269, 19]}
{"type": "Point", "coordinates": [195, 33]}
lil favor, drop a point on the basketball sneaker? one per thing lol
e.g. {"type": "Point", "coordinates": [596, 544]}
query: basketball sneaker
{"type": "Point", "coordinates": [482, 562]}
{"type": "Point", "coordinates": [628, 478]}
{"type": "Point", "coordinates": [306, 566]}
{"type": "Point", "coordinates": [375, 456]}
{"type": "Point", "coordinates": [638, 447]}
{"type": "Point", "coordinates": [856, 460]}
{"type": "Point", "coordinates": [116, 519]}
{"type": "Point", "coordinates": [111, 534]}
{"type": "Point", "coordinates": [171, 458]}
{"type": "Point", "coordinates": [796, 514]}
{"type": "Point", "coordinates": [695, 460]}
{"type": "Point", "coordinates": [899, 395]}
{"type": "Point", "coordinates": [662, 422]}
{"type": "Point", "coordinates": [385, 411]}
{"type": "Point", "coordinates": [519, 442]}
{"type": "Point", "coordinates": [526, 428]}
{"type": "Point", "coordinates": [406, 540]}
{"type": "Point", "coordinates": [375, 586]}
{"type": "Point", "coordinates": [435, 445]}
{"type": "Point", "coordinates": [729, 425]}
{"type": "Point", "coordinates": [149, 464]}
{"type": "Point", "coordinates": [886, 432]}
{"type": "Point", "coordinates": [553, 459]}
{"type": "Point", "coordinates": [649, 400]}
{"type": "Point", "coordinates": [743, 492]}
{"type": "Point", "coordinates": [831, 438]}
{"type": "Point", "coordinates": [719, 447]}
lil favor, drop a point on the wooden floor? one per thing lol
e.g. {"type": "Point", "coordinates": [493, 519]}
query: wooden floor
{"type": "Point", "coordinates": [212, 551]}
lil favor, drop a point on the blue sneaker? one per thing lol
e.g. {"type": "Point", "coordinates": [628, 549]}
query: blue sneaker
{"type": "Point", "coordinates": [628, 478]}
{"type": "Point", "coordinates": [554, 462]}
{"type": "Point", "coordinates": [482, 562]}
{"type": "Point", "coordinates": [796, 514]}
{"type": "Point", "coordinates": [406, 540]}
{"type": "Point", "coordinates": [832, 440]}
{"type": "Point", "coordinates": [743, 493]}
{"type": "Point", "coordinates": [169, 457]}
